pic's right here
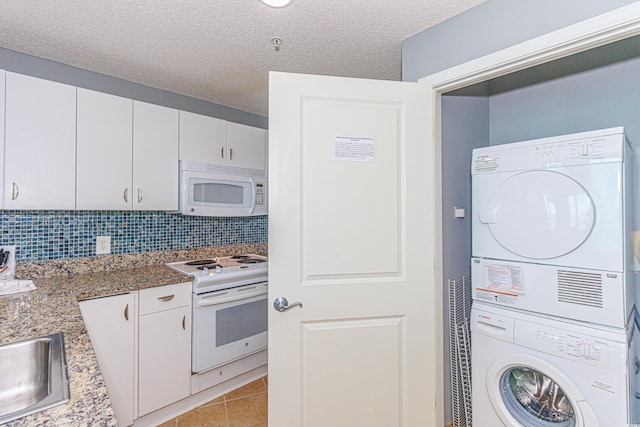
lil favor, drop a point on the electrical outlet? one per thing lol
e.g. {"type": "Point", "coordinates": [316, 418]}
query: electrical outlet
{"type": "Point", "coordinates": [103, 245]}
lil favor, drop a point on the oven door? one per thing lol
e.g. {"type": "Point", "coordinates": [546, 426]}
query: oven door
{"type": "Point", "coordinates": [228, 325]}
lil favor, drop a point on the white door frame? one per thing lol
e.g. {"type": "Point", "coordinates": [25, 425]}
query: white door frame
{"type": "Point", "coordinates": [600, 30]}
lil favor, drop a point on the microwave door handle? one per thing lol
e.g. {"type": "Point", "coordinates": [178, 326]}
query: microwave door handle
{"type": "Point", "coordinates": [253, 196]}
{"type": "Point", "coordinates": [203, 302]}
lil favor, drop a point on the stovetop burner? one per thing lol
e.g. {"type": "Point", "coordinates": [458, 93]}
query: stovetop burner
{"type": "Point", "coordinates": [207, 266]}
{"type": "Point", "coordinates": [250, 261]}
{"type": "Point", "coordinates": [200, 262]}
{"type": "Point", "coordinates": [218, 273]}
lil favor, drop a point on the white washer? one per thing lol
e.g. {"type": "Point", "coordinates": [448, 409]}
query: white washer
{"type": "Point", "coordinates": [551, 227]}
{"type": "Point", "coordinates": [535, 371]}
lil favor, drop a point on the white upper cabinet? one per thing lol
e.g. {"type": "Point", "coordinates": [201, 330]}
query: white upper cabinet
{"type": "Point", "coordinates": [210, 140]}
{"type": "Point", "coordinates": [127, 154]}
{"type": "Point", "coordinates": [155, 157]}
{"type": "Point", "coordinates": [246, 146]}
{"type": "Point", "coordinates": [40, 144]}
{"type": "Point", "coordinates": [2, 85]}
{"type": "Point", "coordinates": [104, 151]}
{"type": "Point", "coordinates": [202, 138]}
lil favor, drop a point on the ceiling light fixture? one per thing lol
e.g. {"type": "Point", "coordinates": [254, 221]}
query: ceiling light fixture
{"type": "Point", "coordinates": [277, 3]}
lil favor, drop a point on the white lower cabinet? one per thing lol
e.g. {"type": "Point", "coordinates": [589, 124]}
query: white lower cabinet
{"type": "Point", "coordinates": [158, 355]}
{"type": "Point", "coordinates": [164, 366]}
{"type": "Point", "coordinates": [110, 322]}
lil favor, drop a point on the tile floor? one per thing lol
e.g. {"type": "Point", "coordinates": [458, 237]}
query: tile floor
{"type": "Point", "coordinates": [243, 407]}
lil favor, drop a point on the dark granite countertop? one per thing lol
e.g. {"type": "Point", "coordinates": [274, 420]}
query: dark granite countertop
{"type": "Point", "coordinates": [53, 307]}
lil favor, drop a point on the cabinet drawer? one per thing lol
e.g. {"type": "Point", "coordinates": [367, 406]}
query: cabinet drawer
{"type": "Point", "coordinates": [164, 297]}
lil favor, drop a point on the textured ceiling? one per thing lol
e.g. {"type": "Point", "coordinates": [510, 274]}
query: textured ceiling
{"type": "Point", "coordinates": [220, 50]}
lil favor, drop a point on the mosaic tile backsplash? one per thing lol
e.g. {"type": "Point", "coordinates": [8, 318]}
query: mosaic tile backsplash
{"type": "Point", "coordinates": [48, 235]}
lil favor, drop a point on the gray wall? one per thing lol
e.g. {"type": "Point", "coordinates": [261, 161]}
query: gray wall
{"type": "Point", "coordinates": [604, 97]}
{"type": "Point", "coordinates": [487, 28]}
{"type": "Point", "coordinates": [55, 71]}
{"type": "Point", "coordinates": [492, 26]}
{"type": "Point", "coordinates": [465, 126]}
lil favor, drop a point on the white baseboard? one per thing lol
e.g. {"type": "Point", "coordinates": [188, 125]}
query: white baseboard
{"type": "Point", "coordinates": [185, 405]}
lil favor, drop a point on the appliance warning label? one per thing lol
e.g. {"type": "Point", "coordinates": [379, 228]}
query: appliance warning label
{"type": "Point", "coordinates": [506, 278]}
{"type": "Point", "coordinates": [503, 284]}
{"type": "Point", "coordinates": [486, 163]}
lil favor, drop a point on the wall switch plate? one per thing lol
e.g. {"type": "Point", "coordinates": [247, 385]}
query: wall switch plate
{"type": "Point", "coordinates": [103, 245]}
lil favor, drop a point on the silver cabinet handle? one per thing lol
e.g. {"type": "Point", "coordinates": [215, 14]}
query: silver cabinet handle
{"type": "Point", "coordinates": [222, 152]}
{"type": "Point", "coordinates": [126, 312]}
{"type": "Point", "coordinates": [140, 195]}
{"type": "Point", "coordinates": [184, 322]}
{"type": "Point", "coordinates": [230, 153]}
{"type": "Point", "coordinates": [166, 298]}
{"type": "Point", "coordinates": [281, 304]}
{"type": "Point", "coordinates": [125, 195]}
{"type": "Point", "coordinates": [15, 191]}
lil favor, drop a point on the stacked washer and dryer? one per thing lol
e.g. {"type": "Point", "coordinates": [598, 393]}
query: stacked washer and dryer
{"type": "Point", "coordinates": [554, 321]}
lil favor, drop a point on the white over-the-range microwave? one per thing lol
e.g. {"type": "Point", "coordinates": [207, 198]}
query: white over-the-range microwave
{"type": "Point", "coordinates": [219, 190]}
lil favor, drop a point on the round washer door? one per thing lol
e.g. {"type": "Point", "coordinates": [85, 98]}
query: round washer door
{"type": "Point", "coordinates": [527, 391]}
{"type": "Point", "coordinates": [540, 214]}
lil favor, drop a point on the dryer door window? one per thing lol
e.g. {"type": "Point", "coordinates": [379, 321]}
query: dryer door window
{"type": "Point", "coordinates": [535, 400]}
{"type": "Point", "coordinates": [540, 214]}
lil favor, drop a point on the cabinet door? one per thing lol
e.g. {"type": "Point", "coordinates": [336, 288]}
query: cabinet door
{"type": "Point", "coordinates": [2, 86]}
{"type": "Point", "coordinates": [164, 358]}
{"type": "Point", "coordinates": [247, 146]}
{"type": "Point", "coordinates": [104, 151]}
{"type": "Point", "coordinates": [40, 144]}
{"type": "Point", "coordinates": [202, 138]}
{"type": "Point", "coordinates": [110, 323]}
{"type": "Point", "coordinates": [155, 157]}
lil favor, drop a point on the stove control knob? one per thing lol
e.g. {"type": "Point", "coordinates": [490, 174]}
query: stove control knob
{"type": "Point", "coordinates": [205, 271]}
{"type": "Point", "coordinates": [218, 269]}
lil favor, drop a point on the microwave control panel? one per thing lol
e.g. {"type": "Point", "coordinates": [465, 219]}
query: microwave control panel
{"type": "Point", "coordinates": [259, 195]}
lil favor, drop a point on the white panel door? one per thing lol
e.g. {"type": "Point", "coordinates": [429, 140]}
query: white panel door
{"type": "Point", "coordinates": [155, 157]}
{"type": "Point", "coordinates": [40, 144]}
{"type": "Point", "coordinates": [104, 151]}
{"type": "Point", "coordinates": [351, 237]}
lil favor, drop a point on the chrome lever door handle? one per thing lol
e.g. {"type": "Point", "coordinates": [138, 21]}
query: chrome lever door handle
{"type": "Point", "coordinates": [281, 304]}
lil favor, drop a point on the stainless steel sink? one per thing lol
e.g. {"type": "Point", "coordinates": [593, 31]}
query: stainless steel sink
{"type": "Point", "coordinates": [33, 376]}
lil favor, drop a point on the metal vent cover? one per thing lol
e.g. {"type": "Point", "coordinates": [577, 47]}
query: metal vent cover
{"type": "Point", "coordinates": [581, 288]}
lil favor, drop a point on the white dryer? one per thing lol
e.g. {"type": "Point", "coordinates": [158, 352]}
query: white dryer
{"type": "Point", "coordinates": [535, 371]}
{"type": "Point", "coordinates": [551, 227]}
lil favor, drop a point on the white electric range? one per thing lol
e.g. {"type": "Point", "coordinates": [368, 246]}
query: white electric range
{"type": "Point", "coordinates": [229, 308]}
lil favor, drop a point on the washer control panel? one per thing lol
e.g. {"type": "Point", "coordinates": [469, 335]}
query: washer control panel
{"type": "Point", "coordinates": [569, 345]}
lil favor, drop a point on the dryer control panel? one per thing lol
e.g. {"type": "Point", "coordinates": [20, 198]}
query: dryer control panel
{"type": "Point", "coordinates": [604, 146]}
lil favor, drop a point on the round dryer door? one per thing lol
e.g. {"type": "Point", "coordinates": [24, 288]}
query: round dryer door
{"type": "Point", "coordinates": [527, 391]}
{"type": "Point", "coordinates": [540, 214]}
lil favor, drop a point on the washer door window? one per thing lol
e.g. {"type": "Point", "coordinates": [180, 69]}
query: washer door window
{"type": "Point", "coordinates": [540, 214]}
{"type": "Point", "coordinates": [534, 399]}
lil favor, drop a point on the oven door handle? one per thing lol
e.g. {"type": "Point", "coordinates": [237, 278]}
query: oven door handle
{"type": "Point", "coordinates": [215, 300]}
